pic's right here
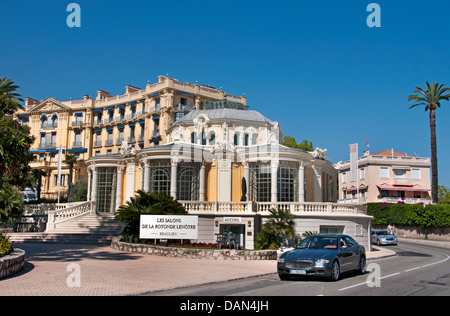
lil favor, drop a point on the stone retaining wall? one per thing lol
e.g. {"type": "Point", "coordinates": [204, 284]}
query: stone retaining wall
{"type": "Point", "coordinates": [12, 263]}
{"type": "Point", "coordinates": [189, 253]}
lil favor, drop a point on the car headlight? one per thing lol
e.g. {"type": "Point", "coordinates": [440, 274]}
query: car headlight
{"type": "Point", "coordinates": [321, 262]}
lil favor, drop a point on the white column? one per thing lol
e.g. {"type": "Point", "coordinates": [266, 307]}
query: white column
{"type": "Point", "coordinates": [247, 177]}
{"type": "Point", "coordinates": [202, 183]}
{"type": "Point", "coordinates": [89, 184]}
{"type": "Point", "coordinates": [301, 182]}
{"type": "Point", "coordinates": [318, 196]}
{"type": "Point", "coordinates": [173, 178]}
{"type": "Point", "coordinates": [146, 176]}
{"type": "Point", "coordinates": [131, 174]}
{"type": "Point", "coordinates": [94, 190]}
{"type": "Point", "coordinates": [274, 180]}
{"type": "Point", "coordinates": [119, 186]}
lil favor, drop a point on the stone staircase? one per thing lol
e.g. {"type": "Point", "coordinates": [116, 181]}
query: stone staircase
{"type": "Point", "coordinates": [85, 229]}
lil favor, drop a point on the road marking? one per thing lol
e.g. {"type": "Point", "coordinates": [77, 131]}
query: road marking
{"type": "Point", "coordinates": [413, 269]}
{"type": "Point", "coordinates": [408, 270]}
{"type": "Point", "coordinates": [362, 283]}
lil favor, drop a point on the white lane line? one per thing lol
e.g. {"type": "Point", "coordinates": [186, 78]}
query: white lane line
{"type": "Point", "coordinates": [431, 264]}
{"type": "Point", "coordinates": [408, 270]}
{"type": "Point", "coordinates": [362, 283]}
{"type": "Point", "coordinates": [352, 286]}
{"type": "Point", "coordinates": [413, 269]}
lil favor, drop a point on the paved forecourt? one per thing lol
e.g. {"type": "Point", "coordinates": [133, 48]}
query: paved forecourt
{"type": "Point", "coordinates": [70, 269]}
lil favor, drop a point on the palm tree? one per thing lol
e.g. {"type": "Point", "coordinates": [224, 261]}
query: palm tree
{"type": "Point", "coordinates": [70, 160]}
{"type": "Point", "coordinates": [146, 203]}
{"type": "Point", "coordinates": [431, 99]}
{"type": "Point", "coordinates": [9, 100]}
{"type": "Point", "coordinates": [280, 223]}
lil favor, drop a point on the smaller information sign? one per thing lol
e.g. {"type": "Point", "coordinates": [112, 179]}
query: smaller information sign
{"type": "Point", "coordinates": [168, 227]}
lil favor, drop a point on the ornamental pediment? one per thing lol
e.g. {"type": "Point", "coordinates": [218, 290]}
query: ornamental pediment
{"type": "Point", "coordinates": [49, 105]}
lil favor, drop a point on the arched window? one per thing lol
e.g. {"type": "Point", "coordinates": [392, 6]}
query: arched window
{"type": "Point", "coordinates": [236, 139]}
{"type": "Point", "coordinates": [194, 138]}
{"type": "Point", "coordinates": [43, 121]}
{"type": "Point", "coordinates": [54, 121]}
{"type": "Point", "coordinates": [160, 181]}
{"type": "Point", "coordinates": [188, 181]}
{"type": "Point", "coordinates": [160, 176]}
{"type": "Point", "coordinates": [246, 136]}
{"type": "Point", "coordinates": [254, 139]}
{"type": "Point", "coordinates": [212, 138]}
{"type": "Point", "coordinates": [203, 138]}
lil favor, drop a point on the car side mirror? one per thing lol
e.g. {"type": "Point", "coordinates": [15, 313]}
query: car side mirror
{"type": "Point", "coordinates": [344, 247]}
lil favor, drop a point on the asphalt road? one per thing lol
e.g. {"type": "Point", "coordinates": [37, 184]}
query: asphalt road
{"type": "Point", "coordinates": [415, 270]}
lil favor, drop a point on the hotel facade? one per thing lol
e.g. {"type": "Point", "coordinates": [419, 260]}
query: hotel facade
{"type": "Point", "coordinates": [386, 176]}
{"type": "Point", "coordinates": [222, 161]}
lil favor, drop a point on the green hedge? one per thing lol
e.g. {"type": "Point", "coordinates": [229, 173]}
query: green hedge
{"type": "Point", "coordinates": [410, 214]}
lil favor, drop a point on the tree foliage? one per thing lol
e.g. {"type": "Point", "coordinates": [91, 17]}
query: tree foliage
{"type": "Point", "coordinates": [290, 141]}
{"type": "Point", "coordinates": [15, 142]}
{"type": "Point", "coordinates": [410, 214]}
{"type": "Point", "coordinates": [278, 227]}
{"type": "Point", "coordinates": [431, 98]}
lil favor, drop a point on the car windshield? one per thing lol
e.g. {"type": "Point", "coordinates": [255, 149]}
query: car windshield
{"type": "Point", "coordinates": [383, 232]}
{"type": "Point", "coordinates": [319, 242]}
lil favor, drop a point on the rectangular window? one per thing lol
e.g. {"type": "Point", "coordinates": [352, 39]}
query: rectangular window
{"type": "Point", "coordinates": [288, 182]}
{"type": "Point", "coordinates": [384, 172]}
{"type": "Point", "coordinates": [331, 229]}
{"type": "Point", "coordinates": [344, 177]}
{"type": "Point", "coordinates": [415, 174]}
{"type": "Point", "coordinates": [399, 174]}
{"type": "Point", "coordinates": [106, 189]}
{"type": "Point", "coordinates": [260, 182]}
{"type": "Point", "coordinates": [362, 174]}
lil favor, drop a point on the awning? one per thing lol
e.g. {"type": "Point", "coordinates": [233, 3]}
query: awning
{"type": "Point", "coordinates": [414, 188]}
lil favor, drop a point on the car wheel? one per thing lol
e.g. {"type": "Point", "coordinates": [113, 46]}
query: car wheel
{"type": "Point", "coordinates": [378, 243]}
{"type": "Point", "coordinates": [362, 265]}
{"type": "Point", "coordinates": [335, 271]}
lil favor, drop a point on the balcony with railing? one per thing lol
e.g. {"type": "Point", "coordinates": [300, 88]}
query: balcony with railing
{"type": "Point", "coordinates": [97, 143]}
{"type": "Point", "coordinates": [48, 145]}
{"type": "Point", "coordinates": [263, 208]}
{"type": "Point", "coordinates": [109, 142]}
{"type": "Point", "coordinates": [119, 141]}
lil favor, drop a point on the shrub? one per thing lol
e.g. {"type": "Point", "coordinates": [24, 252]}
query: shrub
{"type": "Point", "coordinates": [410, 214]}
{"type": "Point", "coordinates": [5, 246]}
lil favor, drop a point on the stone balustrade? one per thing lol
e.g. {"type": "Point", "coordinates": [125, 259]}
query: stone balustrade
{"type": "Point", "coordinates": [263, 208]}
{"type": "Point", "coordinates": [62, 215]}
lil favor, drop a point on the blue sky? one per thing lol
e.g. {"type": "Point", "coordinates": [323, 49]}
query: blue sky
{"type": "Point", "coordinates": [313, 66]}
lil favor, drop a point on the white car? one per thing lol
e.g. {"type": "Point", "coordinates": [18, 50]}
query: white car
{"type": "Point", "coordinates": [383, 237]}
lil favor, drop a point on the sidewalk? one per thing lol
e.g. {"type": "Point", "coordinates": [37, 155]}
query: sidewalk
{"type": "Point", "coordinates": [105, 271]}
{"type": "Point", "coordinates": [437, 243]}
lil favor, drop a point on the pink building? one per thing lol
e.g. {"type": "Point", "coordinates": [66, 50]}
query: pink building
{"type": "Point", "coordinates": [386, 176]}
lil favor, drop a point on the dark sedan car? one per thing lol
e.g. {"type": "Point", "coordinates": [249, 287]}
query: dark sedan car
{"type": "Point", "coordinates": [323, 255]}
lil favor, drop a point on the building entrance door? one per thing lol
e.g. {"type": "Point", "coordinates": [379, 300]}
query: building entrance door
{"type": "Point", "coordinates": [237, 231]}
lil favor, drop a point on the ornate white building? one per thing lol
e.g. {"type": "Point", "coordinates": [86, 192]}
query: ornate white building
{"type": "Point", "coordinates": [226, 164]}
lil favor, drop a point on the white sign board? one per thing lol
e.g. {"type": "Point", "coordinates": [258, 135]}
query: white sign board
{"type": "Point", "coordinates": [232, 220]}
{"type": "Point", "coordinates": [168, 227]}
